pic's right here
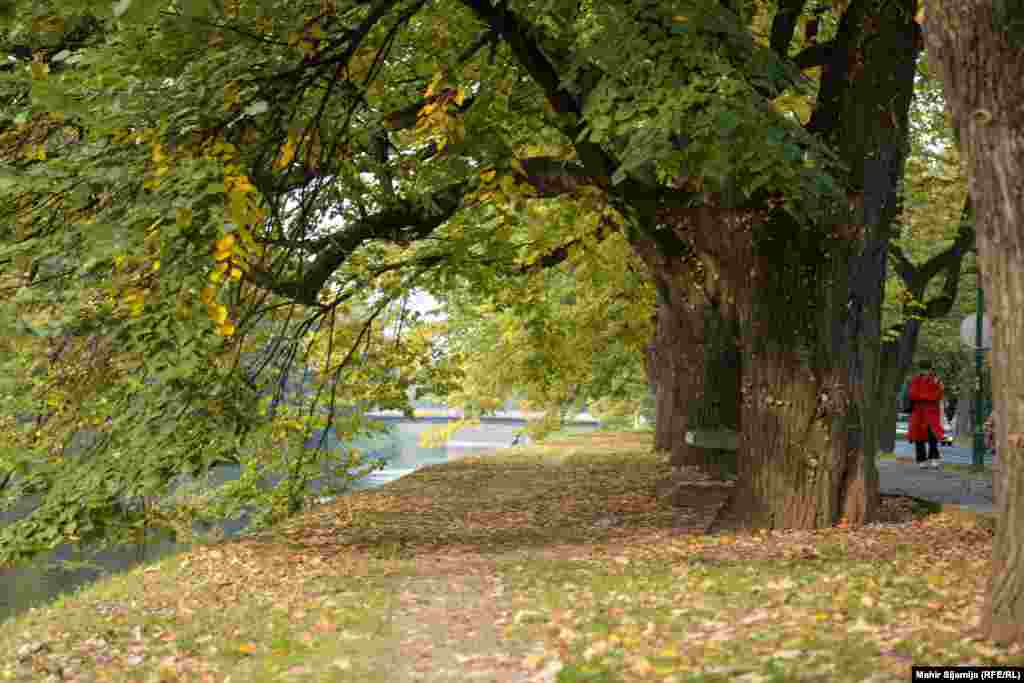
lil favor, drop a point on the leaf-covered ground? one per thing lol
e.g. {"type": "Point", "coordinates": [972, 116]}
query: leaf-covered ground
{"type": "Point", "coordinates": [564, 562]}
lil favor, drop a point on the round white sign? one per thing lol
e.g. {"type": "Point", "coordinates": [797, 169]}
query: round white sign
{"type": "Point", "coordinates": [969, 331]}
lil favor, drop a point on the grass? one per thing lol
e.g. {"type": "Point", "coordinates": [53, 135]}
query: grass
{"type": "Point", "coordinates": [563, 561]}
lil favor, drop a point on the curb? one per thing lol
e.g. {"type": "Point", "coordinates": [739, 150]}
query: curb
{"type": "Point", "coordinates": [985, 519]}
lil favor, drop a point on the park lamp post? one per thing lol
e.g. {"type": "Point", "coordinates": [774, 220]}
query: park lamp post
{"type": "Point", "coordinates": [978, 457]}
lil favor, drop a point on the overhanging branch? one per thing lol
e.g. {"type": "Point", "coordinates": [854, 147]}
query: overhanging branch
{"type": "Point", "coordinates": [407, 221]}
{"type": "Point", "coordinates": [516, 33]}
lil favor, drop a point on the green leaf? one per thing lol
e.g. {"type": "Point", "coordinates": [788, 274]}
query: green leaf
{"type": "Point", "coordinates": [792, 152]}
{"type": "Point", "coordinates": [728, 121]}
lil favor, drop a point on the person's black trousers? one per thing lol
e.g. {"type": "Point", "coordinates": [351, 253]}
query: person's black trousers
{"type": "Point", "coordinates": [933, 447]}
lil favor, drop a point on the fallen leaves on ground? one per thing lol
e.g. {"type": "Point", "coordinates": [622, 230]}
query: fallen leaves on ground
{"type": "Point", "coordinates": [566, 563]}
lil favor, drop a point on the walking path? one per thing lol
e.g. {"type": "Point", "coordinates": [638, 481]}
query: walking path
{"type": "Point", "coordinates": [962, 490]}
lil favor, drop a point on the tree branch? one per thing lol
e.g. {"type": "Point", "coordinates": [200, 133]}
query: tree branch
{"type": "Point", "coordinates": [409, 220]}
{"type": "Point", "coordinates": [784, 25]}
{"type": "Point", "coordinates": [815, 55]}
{"type": "Point", "coordinates": [515, 31]}
{"type": "Point", "coordinates": [950, 261]}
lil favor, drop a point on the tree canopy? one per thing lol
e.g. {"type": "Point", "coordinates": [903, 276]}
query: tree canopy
{"type": "Point", "coordinates": [206, 197]}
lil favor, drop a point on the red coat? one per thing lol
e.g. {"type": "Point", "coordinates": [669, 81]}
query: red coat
{"type": "Point", "coordinates": [925, 393]}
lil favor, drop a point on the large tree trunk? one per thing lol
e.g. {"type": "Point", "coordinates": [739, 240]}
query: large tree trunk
{"type": "Point", "coordinates": [978, 47]}
{"type": "Point", "coordinates": [677, 359]}
{"type": "Point", "coordinates": [794, 463]}
{"type": "Point", "coordinates": [809, 421]}
{"type": "Point", "coordinates": [793, 456]}
{"type": "Point", "coordinates": [811, 411]}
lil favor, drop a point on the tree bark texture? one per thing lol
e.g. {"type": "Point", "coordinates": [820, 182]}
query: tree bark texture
{"type": "Point", "coordinates": [677, 360]}
{"type": "Point", "coordinates": [982, 69]}
{"type": "Point", "coordinates": [793, 456]}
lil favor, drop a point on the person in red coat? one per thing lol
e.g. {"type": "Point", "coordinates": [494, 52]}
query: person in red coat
{"type": "Point", "coordinates": [925, 418]}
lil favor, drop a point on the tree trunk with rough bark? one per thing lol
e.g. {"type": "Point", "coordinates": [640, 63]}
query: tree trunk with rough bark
{"type": "Point", "coordinates": [793, 461]}
{"type": "Point", "coordinates": [671, 356]}
{"type": "Point", "coordinates": [877, 61]}
{"type": "Point", "coordinates": [810, 414]}
{"type": "Point", "coordinates": [978, 48]}
{"type": "Point", "coordinates": [677, 358]}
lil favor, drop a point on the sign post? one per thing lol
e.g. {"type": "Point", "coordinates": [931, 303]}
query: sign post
{"type": "Point", "coordinates": [978, 327]}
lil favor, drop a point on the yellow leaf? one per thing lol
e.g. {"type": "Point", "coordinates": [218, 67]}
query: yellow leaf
{"type": "Point", "coordinates": [226, 242]}
{"type": "Point", "coordinates": [218, 313]}
{"type": "Point", "coordinates": [680, 18]}
{"type": "Point", "coordinates": [236, 274]}
{"type": "Point", "coordinates": [642, 667]}
{"type": "Point", "coordinates": [287, 153]}
{"type": "Point", "coordinates": [436, 81]}
{"type": "Point", "coordinates": [226, 329]}
{"type": "Point", "coordinates": [39, 70]}
{"type": "Point", "coordinates": [156, 265]}
{"type": "Point", "coordinates": [460, 96]}
{"type": "Point", "coordinates": [48, 24]}
{"type": "Point", "coordinates": [488, 176]}
{"type": "Point", "coordinates": [208, 293]}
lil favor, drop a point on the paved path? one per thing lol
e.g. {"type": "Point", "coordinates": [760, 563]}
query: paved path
{"type": "Point", "coordinates": [903, 477]}
{"type": "Point", "coordinates": [955, 454]}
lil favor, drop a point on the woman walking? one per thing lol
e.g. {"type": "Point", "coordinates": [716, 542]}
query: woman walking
{"type": "Point", "coordinates": [926, 393]}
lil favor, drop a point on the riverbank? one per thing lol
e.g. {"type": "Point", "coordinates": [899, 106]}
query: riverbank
{"type": "Point", "coordinates": [565, 560]}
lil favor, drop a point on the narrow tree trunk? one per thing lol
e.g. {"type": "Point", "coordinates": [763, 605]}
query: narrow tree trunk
{"type": "Point", "coordinates": [671, 359]}
{"type": "Point", "coordinates": [964, 423]}
{"type": "Point", "coordinates": [872, 105]}
{"type": "Point", "coordinates": [978, 47]}
{"type": "Point", "coordinates": [897, 358]}
{"type": "Point", "coordinates": [887, 440]}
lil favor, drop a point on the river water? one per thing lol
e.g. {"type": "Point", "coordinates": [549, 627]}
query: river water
{"type": "Point", "coordinates": [51, 575]}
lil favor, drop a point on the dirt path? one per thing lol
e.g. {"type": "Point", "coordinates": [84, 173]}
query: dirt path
{"type": "Point", "coordinates": [451, 628]}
